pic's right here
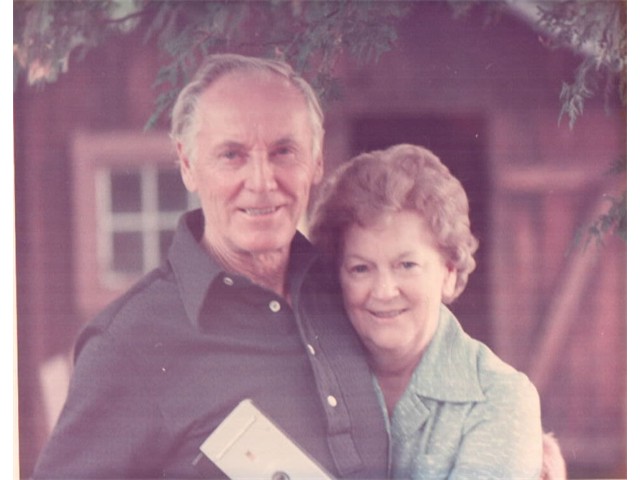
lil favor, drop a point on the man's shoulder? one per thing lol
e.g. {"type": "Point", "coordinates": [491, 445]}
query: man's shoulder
{"type": "Point", "coordinates": [150, 298]}
{"type": "Point", "coordinates": [322, 272]}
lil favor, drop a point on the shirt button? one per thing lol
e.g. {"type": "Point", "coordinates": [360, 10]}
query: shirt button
{"type": "Point", "coordinates": [312, 350]}
{"type": "Point", "coordinates": [331, 400]}
{"type": "Point", "coordinates": [274, 306]}
{"type": "Point", "coordinates": [227, 281]}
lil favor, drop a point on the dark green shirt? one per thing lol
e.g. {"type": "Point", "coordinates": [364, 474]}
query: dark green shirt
{"type": "Point", "coordinates": [160, 368]}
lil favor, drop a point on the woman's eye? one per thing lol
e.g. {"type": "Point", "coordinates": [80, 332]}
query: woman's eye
{"type": "Point", "coordinates": [408, 265]}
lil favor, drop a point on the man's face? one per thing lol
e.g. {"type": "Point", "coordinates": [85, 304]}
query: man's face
{"type": "Point", "coordinates": [253, 168]}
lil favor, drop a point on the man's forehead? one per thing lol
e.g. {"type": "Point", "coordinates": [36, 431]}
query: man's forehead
{"type": "Point", "coordinates": [265, 102]}
{"type": "Point", "coordinates": [235, 95]}
{"type": "Point", "coordinates": [253, 82]}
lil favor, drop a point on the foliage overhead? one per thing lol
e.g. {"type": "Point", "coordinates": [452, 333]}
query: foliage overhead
{"type": "Point", "coordinates": [310, 35]}
{"type": "Point", "coordinates": [47, 32]}
{"type": "Point", "coordinates": [598, 29]}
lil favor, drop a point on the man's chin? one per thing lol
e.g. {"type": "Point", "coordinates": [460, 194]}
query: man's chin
{"type": "Point", "coordinates": [265, 243]}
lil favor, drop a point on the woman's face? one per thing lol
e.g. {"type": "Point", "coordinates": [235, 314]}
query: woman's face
{"type": "Point", "coordinates": [393, 279]}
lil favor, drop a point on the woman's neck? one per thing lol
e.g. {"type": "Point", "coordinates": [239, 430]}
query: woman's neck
{"type": "Point", "coordinates": [394, 375]}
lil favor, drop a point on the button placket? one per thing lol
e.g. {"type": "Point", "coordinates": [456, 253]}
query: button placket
{"type": "Point", "coordinates": [340, 433]}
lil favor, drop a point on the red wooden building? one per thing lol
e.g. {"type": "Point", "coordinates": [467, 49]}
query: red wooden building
{"type": "Point", "coordinates": [97, 199]}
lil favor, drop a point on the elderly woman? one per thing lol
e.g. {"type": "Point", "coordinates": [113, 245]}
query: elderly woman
{"type": "Point", "coordinates": [396, 223]}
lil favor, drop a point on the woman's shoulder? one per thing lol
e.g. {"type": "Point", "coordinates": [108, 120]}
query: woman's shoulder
{"type": "Point", "coordinates": [502, 382]}
{"type": "Point", "coordinates": [467, 369]}
{"type": "Point", "coordinates": [496, 376]}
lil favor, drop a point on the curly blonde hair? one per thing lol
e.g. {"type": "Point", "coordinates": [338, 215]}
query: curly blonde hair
{"type": "Point", "coordinates": [401, 178]}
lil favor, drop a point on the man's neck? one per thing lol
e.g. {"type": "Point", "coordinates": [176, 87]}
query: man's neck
{"type": "Point", "coordinates": [267, 269]}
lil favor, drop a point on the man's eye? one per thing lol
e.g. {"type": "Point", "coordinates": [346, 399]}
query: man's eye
{"type": "Point", "coordinates": [230, 154]}
{"type": "Point", "coordinates": [282, 151]}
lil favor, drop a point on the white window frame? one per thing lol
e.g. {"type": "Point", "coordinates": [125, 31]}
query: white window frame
{"type": "Point", "coordinates": [95, 155]}
{"type": "Point", "coordinates": [150, 221]}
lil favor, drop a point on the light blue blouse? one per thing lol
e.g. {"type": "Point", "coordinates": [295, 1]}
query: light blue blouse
{"type": "Point", "coordinates": [465, 415]}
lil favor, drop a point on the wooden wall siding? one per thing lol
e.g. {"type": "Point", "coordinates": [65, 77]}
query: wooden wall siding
{"type": "Point", "coordinates": [560, 310]}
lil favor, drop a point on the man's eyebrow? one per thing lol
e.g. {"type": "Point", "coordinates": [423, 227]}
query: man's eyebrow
{"type": "Point", "coordinates": [287, 140]}
{"type": "Point", "coordinates": [357, 257]}
{"type": "Point", "coordinates": [229, 144]}
{"type": "Point", "coordinates": [226, 145]}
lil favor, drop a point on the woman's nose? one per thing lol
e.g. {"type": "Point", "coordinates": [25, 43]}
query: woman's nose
{"type": "Point", "coordinates": [385, 286]}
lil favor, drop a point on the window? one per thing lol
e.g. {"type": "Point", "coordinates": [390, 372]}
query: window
{"type": "Point", "coordinates": [128, 196]}
{"type": "Point", "coordinates": [138, 209]}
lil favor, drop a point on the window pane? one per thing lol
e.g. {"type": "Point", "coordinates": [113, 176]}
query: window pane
{"type": "Point", "coordinates": [127, 252]}
{"type": "Point", "coordinates": [166, 237]}
{"type": "Point", "coordinates": [126, 192]}
{"type": "Point", "coordinates": [172, 196]}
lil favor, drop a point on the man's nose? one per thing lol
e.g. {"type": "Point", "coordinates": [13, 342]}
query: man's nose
{"type": "Point", "coordinates": [261, 172]}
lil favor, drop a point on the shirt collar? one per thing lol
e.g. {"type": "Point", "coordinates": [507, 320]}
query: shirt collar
{"type": "Point", "coordinates": [448, 370]}
{"type": "Point", "coordinates": [196, 271]}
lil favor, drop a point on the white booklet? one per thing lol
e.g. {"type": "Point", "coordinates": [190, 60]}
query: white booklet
{"type": "Point", "coordinates": [248, 445]}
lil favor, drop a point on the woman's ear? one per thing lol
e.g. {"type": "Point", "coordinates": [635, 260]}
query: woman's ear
{"type": "Point", "coordinates": [449, 284]}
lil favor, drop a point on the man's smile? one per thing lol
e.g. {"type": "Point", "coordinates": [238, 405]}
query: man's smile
{"type": "Point", "coordinates": [260, 211]}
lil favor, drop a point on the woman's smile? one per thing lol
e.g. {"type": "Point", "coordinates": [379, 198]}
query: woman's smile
{"type": "Point", "coordinates": [388, 314]}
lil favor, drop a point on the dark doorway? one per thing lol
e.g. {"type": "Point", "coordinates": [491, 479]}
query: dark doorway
{"type": "Point", "coordinates": [459, 142]}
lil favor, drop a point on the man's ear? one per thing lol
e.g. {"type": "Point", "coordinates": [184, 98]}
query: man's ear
{"type": "Point", "coordinates": [186, 168]}
{"type": "Point", "coordinates": [319, 169]}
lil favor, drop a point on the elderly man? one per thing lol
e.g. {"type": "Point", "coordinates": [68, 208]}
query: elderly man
{"type": "Point", "coordinates": [243, 308]}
